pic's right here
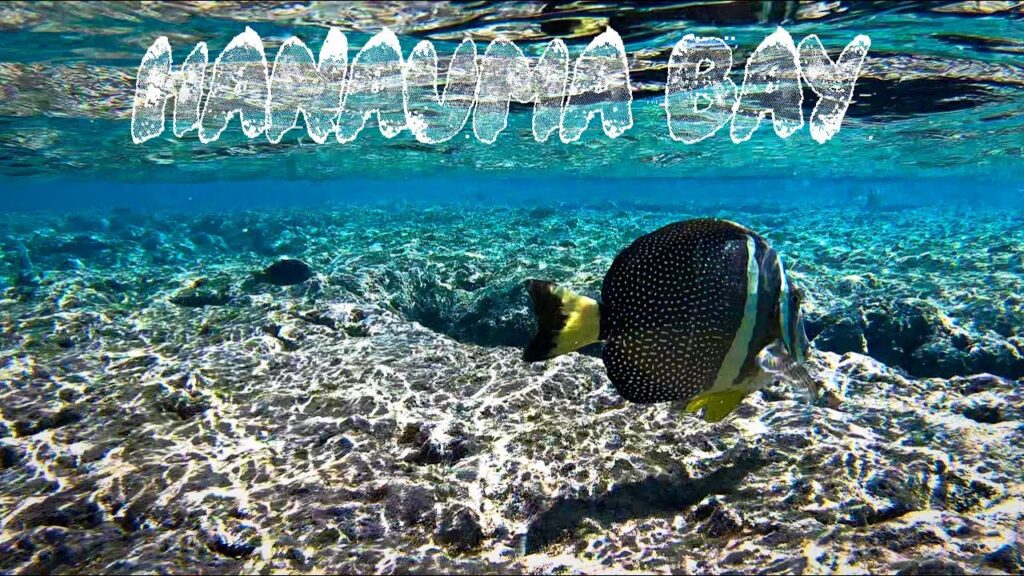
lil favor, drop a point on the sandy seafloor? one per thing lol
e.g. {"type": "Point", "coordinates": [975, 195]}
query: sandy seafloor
{"type": "Point", "coordinates": [378, 418]}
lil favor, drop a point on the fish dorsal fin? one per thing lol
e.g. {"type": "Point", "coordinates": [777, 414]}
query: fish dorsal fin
{"type": "Point", "coordinates": [716, 405]}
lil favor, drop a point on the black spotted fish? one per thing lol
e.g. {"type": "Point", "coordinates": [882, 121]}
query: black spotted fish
{"type": "Point", "coordinates": [699, 311]}
{"type": "Point", "coordinates": [285, 272]}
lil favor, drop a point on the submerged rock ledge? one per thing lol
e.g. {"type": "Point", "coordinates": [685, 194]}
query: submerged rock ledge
{"type": "Point", "coordinates": [944, 301]}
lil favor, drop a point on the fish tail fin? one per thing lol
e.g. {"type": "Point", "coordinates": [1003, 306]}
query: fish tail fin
{"type": "Point", "coordinates": [716, 405]}
{"type": "Point", "coordinates": [566, 321]}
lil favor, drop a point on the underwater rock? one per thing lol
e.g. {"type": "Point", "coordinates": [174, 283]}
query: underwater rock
{"type": "Point", "coordinates": [961, 494]}
{"type": "Point", "coordinates": [201, 292]}
{"type": "Point", "coordinates": [982, 408]}
{"type": "Point", "coordinates": [541, 212]}
{"type": "Point", "coordinates": [260, 236]}
{"type": "Point", "coordinates": [199, 297]}
{"type": "Point", "coordinates": [367, 525]}
{"type": "Point", "coordinates": [63, 509]}
{"type": "Point", "coordinates": [459, 530]}
{"type": "Point", "coordinates": [242, 231]}
{"type": "Point", "coordinates": [240, 547]}
{"type": "Point", "coordinates": [208, 241]}
{"type": "Point", "coordinates": [123, 218]}
{"type": "Point", "coordinates": [722, 522]}
{"type": "Point", "coordinates": [980, 383]}
{"type": "Point", "coordinates": [352, 319]}
{"type": "Point", "coordinates": [410, 505]}
{"type": "Point", "coordinates": [946, 355]}
{"type": "Point", "coordinates": [931, 567]}
{"type": "Point", "coordinates": [996, 355]}
{"type": "Point", "coordinates": [325, 537]}
{"type": "Point", "coordinates": [426, 449]}
{"type": "Point", "coordinates": [891, 495]}
{"type": "Point", "coordinates": [183, 404]}
{"type": "Point", "coordinates": [841, 335]}
{"type": "Point", "coordinates": [286, 272]}
{"type": "Point", "coordinates": [10, 456]}
{"type": "Point", "coordinates": [290, 243]}
{"type": "Point", "coordinates": [41, 422]}
{"type": "Point", "coordinates": [894, 331]}
{"type": "Point", "coordinates": [498, 315]}
{"type": "Point", "coordinates": [1009, 558]}
{"type": "Point", "coordinates": [214, 225]}
{"type": "Point", "coordinates": [152, 240]}
{"type": "Point", "coordinates": [916, 337]}
{"type": "Point", "coordinates": [86, 223]}
{"type": "Point", "coordinates": [58, 549]}
{"type": "Point", "coordinates": [82, 246]}
{"type": "Point", "coordinates": [319, 318]}
{"type": "Point", "coordinates": [937, 358]}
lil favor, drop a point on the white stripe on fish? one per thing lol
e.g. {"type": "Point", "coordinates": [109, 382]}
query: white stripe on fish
{"type": "Point", "coordinates": [729, 371]}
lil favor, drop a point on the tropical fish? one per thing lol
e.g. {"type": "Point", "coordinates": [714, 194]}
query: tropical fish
{"type": "Point", "coordinates": [699, 311]}
{"type": "Point", "coordinates": [285, 273]}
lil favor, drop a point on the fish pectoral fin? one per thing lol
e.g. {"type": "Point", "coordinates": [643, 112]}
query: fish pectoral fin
{"type": "Point", "coordinates": [772, 359]}
{"type": "Point", "coordinates": [716, 405]}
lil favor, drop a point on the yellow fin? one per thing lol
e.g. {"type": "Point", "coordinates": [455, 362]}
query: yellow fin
{"type": "Point", "coordinates": [716, 405]}
{"type": "Point", "coordinates": [582, 323]}
{"type": "Point", "coordinates": [566, 321]}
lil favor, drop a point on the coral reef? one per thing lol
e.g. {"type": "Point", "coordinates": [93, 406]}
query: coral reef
{"type": "Point", "coordinates": [162, 412]}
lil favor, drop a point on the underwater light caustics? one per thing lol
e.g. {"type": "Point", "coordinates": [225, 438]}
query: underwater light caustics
{"type": "Point", "coordinates": [337, 97]}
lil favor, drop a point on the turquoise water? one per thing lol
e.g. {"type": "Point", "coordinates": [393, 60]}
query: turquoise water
{"type": "Point", "coordinates": [161, 411]}
{"type": "Point", "coordinates": [939, 95]}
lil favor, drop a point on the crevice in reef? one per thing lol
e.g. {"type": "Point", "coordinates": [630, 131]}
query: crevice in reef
{"type": "Point", "coordinates": [907, 334]}
{"type": "Point", "coordinates": [916, 336]}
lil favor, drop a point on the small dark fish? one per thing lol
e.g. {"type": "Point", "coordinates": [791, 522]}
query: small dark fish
{"type": "Point", "coordinates": [285, 273]}
{"type": "Point", "coordinates": [700, 310]}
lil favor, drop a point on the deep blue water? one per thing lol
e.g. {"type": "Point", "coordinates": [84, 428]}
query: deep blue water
{"type": "Point", "coordinates": [745, 193]}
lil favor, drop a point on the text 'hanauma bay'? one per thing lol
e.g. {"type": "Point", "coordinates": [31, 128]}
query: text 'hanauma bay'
{"type": "Point", "coordinates": [337, 97]}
